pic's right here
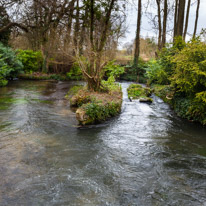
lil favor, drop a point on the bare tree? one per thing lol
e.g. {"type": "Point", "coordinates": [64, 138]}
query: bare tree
{"type": "Point", "coordinates": [137, 38]}
{"type": "Point", "coordinates": [159, 24]}
{"type": "Point", "coordinates": [196, 19]}
{"type": "Point", "coordinates": [187, 19]}
{"type": "Point", "coordinates": [98, 30]}
{"type": "Point", "coordinates": [164, 32]}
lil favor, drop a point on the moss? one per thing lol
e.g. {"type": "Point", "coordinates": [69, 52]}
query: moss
{"type": "Point", "coordinates": [136, 91]}
{"type": "Point", "coordinates": [95, 107]}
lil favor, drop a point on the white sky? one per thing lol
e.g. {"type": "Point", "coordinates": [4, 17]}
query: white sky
{"type": "Point", "coordinates": [146, 28]}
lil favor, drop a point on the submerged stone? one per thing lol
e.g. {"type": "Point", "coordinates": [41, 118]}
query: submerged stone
{"type": "Point", "coordinates": [146, 100]}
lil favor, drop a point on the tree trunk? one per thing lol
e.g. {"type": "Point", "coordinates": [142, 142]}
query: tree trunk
{"type": "Point", "coordinates": [92, 24]}
{"type": "Point", "coordinates": [83, 29]}
{"type": "Point", "coordinates": [164, 23]}
{"type": "Point", "coordinates": [69, 28]}
{"type": "Point", "coordinates": [180, 21]}
{"type": "Point", "coordinates": [159, 24]}
{"type": "Point", "coordinates": [187, 19]}
{"type": "Point", "coordinates": [137, 39]}
{"type": "Point", "coordinates": [175, 18]}
{"type": "Point", "coordinates": [93, 73]}
{"type": "Point", "coordinates": [76, 31]}
{"type": "Point", "coordinates": [197, 16]}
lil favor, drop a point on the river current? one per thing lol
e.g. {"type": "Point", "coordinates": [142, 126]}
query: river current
{"type": "Point", "coordinates": [146, 156]}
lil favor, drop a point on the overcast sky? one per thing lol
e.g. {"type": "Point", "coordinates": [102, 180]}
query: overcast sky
{"type": "Point", "coordinates": [146, 28]}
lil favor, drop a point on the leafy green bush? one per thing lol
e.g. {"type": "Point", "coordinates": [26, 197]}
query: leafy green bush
{"type": "Point", "coordinates": [32, 61]}
{"type": "Point", "coordinates": [135, 73]}
{"type": "Point", "coordinates": [10, 66]}
{"type": "Point", "coordinates": [190, 72]}
{"type": "Point", "coordinates": [98, 112]}
{"type": "Point", "coordinates": [75, 73]}
{"type": "Point", "coordinates": [57, 77]}
{"type": "Point", "coordinates": [110, 85]}
{"type": "Point", "coordinates": [189, 78]}
{"type": "Point", "coordinates": [112, 69]}
{"type": "Point", "coordinates": [156, 73]}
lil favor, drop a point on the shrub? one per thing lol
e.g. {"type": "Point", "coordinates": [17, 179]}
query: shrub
{"type": "Point", "coordinates": [135, 73]}
{"type": "Point", "coordinates": [112, 69]}
{"type": "Point", "coordinates": [98, 112]}
{"type": "Point", "coordinates": [57, 77]}
{"type": "Point", "coordinates": [32, 60]}
{"type": "Point", "coordinates": [190, 72]}
{"type": "Point", "coordinates": [156, 73]}
{"type": "Point", "coordinates": [189, 78]}
{"type": "Point", "coordinates": [75, 73]}
{"type": "Point", "coordinates": [110, 85]}
{"type": "Point", "coordinates": [10, 66]}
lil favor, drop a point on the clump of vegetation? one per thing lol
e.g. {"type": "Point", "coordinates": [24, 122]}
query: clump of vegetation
{"type": "Point", "coordinates": [136, 74]}
{"type": "Point", "coordinates": [159, 71]}
{"type": "Point", "coordinates": [98, 112]}
{"type": "Point", "coordinates": [80, 98]}
{"type": "Point", "coordinates": [155, 73]}
{"type": "Point", "coordinates": [75, 73]}
{"type": "Point", "coordinates": [189, 78]}
{"type": "Point", "coordinates": [186, 78]}
{"type": "Point", "coordinates": [31, 60]}
{"type": "Point", "coordinates": [136, 91]}
{"type": "Point", "coordinates": [43, 76]}
{"type": "Point", "coordinates": [10, 66]}
{"type": "Point", "coordinates": [113, 70]}
{"type": "Point", "coordinates": [95, 107]}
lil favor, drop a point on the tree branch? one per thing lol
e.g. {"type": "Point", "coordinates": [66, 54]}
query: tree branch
{"type": "Point", "coordinates": [13, 24]}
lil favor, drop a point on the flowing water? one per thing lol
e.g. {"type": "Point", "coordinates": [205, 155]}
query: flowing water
{"type": "Point", "coordinates": [144, 157]}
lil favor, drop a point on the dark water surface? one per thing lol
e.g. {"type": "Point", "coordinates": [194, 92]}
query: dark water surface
{"type": "Point", "coordinates": [146, 156]}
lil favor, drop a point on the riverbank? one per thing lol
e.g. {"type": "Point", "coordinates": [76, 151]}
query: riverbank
{"type": "Point", "coordinates": [52, 76]}
{"type": "Point", "coordinates": [96, 107]}
{"type": "Point", "coordinates": [184, 107]}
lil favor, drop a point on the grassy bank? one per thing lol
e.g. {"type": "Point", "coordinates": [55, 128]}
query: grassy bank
{"type": "Point", "coordinates": [44, 76]}
{"type": "Point", "coordinates": [96, 107]}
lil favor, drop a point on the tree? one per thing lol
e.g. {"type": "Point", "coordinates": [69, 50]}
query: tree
{"type": "Point", "coordinates": [137, 38]}
{"type": "Point", "coordinates": [101, 14]}
{"type": "Point", "coordinates": [180, 6]}
{"type": "Point", "coordinates": [164, 32]}
{"type": "Point", "coordinates": [196, 19]}
{"type": "Point", "coordinates": [175, 18]}
{"type": "Point", "coordinates": [4, 20]}
{"type": "Point", "coordinates": [187, 19]}
{"type": "Point", "coordinates": [159, 24]}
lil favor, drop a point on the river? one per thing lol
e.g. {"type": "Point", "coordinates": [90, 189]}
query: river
{"type": "Point", "coordinates": [146, 156]}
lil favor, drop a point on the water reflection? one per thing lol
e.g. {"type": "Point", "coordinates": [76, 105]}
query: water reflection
{"type": "Point", "coordinates": [145, 156]}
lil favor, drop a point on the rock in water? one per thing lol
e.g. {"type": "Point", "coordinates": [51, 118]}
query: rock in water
{"type": "Point", "coordinates": [146, 100]}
